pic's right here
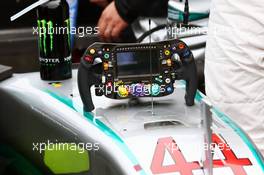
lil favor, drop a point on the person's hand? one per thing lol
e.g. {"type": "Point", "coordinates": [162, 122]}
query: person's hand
{"type": "Point", "coordinates": [111, 24]}
{"type": "Point", "coordinates": [101, 3]}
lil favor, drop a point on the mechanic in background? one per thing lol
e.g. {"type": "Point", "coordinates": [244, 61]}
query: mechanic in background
{"type": "Point", "coordinates": [118, 14]}
{"type": "Point", "coordinates": [234, 63]}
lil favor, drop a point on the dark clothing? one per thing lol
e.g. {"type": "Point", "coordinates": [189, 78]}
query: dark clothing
{"type": "Point", "coordinates": [129, 10]}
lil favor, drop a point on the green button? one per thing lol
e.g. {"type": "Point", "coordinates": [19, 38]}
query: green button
{"type": "Point", "coordinates": [155, 89]}
{"type": "Point", "coordinates": [106, 56]}
{"type": "Point", "coordinates": [159, 80]}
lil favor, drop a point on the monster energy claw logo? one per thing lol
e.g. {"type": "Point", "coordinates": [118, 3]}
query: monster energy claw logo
{"type": "Point", "coordinates": [47, 30]}
{"type": "Point", "coordinates": [67, 21]}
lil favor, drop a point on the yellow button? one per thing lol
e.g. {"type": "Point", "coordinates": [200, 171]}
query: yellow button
{"type": "Point", "coordinates": [122, 91]}
{"type": "Point", "coordinates": [169, 62]}
{"type": "Point", "coordinates": [167, 52]}
{"type": "Point", "coordinates": [106, 66]}
{"type": "Point", "coordinates": [92, 51]}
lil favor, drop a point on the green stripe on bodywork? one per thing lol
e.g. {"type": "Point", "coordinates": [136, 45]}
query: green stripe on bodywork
{"type": "Point", "coordinates": [198, 97]}
{"type": "Point", "coordinates": [100, 125]}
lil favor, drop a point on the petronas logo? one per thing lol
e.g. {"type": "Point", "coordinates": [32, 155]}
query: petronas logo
{"type": "Point", "coordinates": [47, 30]}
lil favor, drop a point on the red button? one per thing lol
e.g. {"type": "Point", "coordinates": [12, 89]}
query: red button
{"type": "Point", "coordinates": [109, 84]}
{"type": "Point", "coordinates": [181, 46]}
{"type": "Point", "coordinates": [88, 58]}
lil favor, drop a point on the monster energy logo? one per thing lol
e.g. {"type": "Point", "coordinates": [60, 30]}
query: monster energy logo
{"type": "Point", "coordinates": [47, 30]}
{"type": "Point", "coordinates": [67, 21]}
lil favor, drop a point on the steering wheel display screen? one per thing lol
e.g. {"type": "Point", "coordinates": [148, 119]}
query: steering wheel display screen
{"type": "Point", "coordinates": [137, 63]}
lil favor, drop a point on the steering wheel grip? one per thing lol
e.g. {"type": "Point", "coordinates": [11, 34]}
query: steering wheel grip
{"type": "Point", "coordinates": [85, 82]}
{"type": "Point", "coordinates": [191, 78]}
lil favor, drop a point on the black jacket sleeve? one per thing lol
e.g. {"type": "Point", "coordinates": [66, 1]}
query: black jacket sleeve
{"type": "Point", "coordinates": [129, 10]}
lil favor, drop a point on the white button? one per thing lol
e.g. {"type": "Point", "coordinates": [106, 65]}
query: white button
{"type": "Point", "coordinates": [110, 64]}
{"type": "Point", "coordinates": [176, 57]}
{"type": "Point", "coordinates": [103, 79]}
{"type": "Point", "coordinates": [167, 80]}
{"type": "Point", "coordinates": [164, 62]}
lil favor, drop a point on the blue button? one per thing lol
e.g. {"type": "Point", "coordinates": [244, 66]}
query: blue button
{"type": "Point", "coordinates": [169, 89]}
{"type": "Point", "coordinates": [186, 53]}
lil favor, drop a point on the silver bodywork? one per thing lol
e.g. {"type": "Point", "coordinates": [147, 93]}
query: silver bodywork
{"type": "Point", "coordinates": [126, 130]}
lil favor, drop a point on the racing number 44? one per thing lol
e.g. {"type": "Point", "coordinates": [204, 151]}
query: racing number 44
{"type": "Point", "coordinates": [186, 168]}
